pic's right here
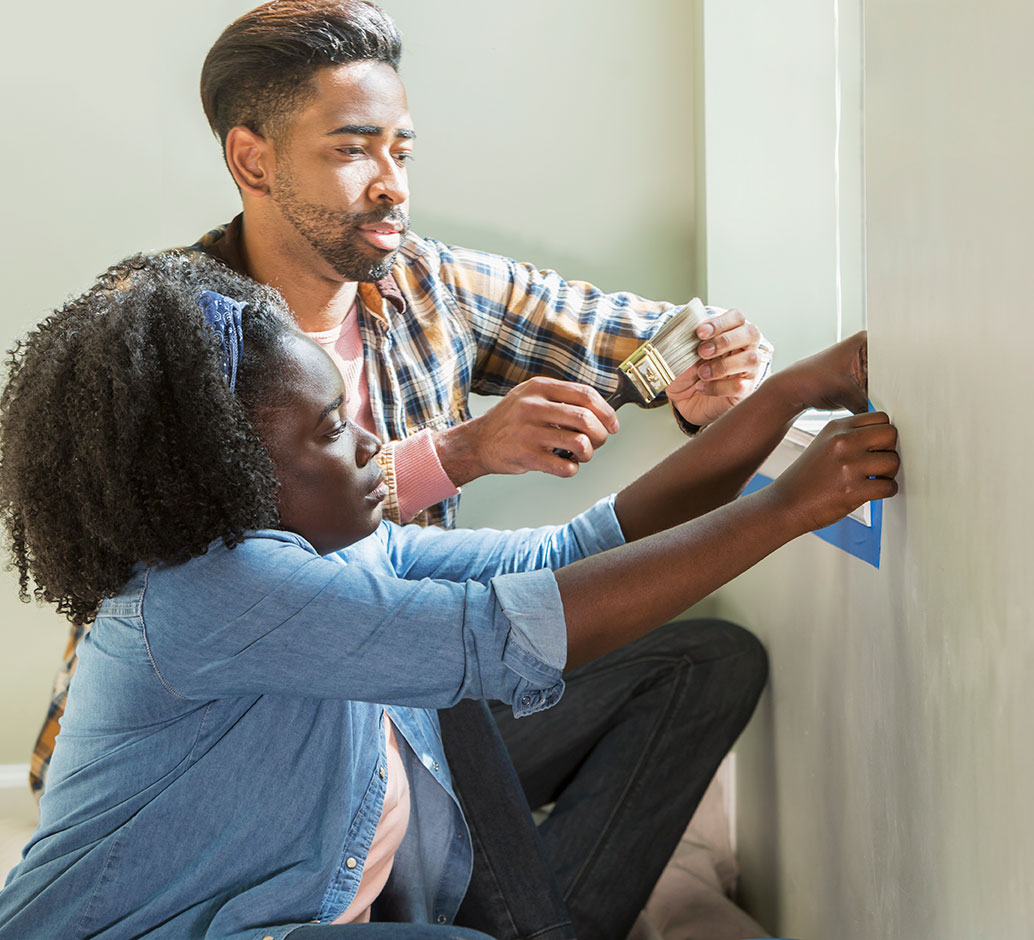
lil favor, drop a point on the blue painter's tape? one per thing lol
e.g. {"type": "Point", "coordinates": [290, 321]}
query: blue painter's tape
{"type": "Point", "coordinates": [854, 537]}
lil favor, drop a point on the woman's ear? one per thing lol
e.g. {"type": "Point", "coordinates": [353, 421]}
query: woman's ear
{"type": "Point", "coordinates": [250, 158]}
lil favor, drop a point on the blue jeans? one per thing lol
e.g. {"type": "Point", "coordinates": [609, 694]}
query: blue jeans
{"type": "Point", "coordinates": [625, 756]}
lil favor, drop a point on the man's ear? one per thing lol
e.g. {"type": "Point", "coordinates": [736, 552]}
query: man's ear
{"type": "Point", "coordinates": [250, 157]}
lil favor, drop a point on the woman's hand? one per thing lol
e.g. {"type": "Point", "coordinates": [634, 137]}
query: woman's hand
{"type": "Point", "coordinates": [851, 461]}
{"type": "Point", "coordinates": [837, 377]}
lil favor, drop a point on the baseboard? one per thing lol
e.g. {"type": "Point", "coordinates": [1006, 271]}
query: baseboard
{"type": "Point", "coordinates": [729, 795]}
{"type": "Point", "coordinates": [14, 775]}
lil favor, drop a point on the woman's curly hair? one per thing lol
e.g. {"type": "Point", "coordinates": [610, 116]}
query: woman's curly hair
{"type": "Point", "coordinates": [120, 441]}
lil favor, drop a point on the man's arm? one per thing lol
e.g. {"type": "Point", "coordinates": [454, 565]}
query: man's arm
{"type": "Point", "coordinates": [524, 430]}
{"type": "Point", "coordinates": [532, 324]}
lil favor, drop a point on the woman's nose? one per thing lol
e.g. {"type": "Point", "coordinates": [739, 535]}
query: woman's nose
{"type": "Point", "coordinates": [368, 446]}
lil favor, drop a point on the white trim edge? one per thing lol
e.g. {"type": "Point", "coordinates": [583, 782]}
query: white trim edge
{"type": "Point", "coordinates": [14, 775]}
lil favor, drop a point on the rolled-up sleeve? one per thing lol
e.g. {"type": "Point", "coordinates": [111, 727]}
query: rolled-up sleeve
{"type": "Point", "coordinates": [536, 649]}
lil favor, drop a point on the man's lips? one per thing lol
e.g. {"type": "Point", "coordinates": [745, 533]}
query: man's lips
{"type": "Point", "coordinates": [384, 235]}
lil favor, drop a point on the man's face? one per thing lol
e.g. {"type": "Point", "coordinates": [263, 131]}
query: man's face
{"type": "Point", "coordinates": [341, 180]}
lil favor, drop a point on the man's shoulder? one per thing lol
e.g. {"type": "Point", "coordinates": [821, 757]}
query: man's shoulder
{"type": "Point", "coordinates": [205, 245]}
{"type": "Point", "coordinates": [421, 250]}
{"type": "Point", "coordinates": [422, 257]}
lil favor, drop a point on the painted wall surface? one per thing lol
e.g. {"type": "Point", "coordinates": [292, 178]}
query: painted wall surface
{"type": "Point", "coordinates": [106, 152]}
{"type": "Point", "coordinates": [884, 782]}
{"type": "Point", "coordinates": [564, 135]}
{"type": "Point", "coordinates": [561, 134]}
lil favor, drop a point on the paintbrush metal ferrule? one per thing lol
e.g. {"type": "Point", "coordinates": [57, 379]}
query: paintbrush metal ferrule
{"type": "Point", "coordinates": [656, 363]}
{"type": "Point", "coordinates": [648, 372]}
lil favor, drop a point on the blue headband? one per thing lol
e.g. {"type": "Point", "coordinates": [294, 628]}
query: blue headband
{"type": "Point", "coordinates": [223, 316]}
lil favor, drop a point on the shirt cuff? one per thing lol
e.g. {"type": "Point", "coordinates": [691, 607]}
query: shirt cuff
{"type": "Point", "coordinates": [597, 529]}
{"type": "Point", "coordinates": [536, 647]}
{"type": "Point", "coordinates": [420, 479]}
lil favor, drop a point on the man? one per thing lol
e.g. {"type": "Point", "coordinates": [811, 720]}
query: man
{"type": "Point", "coordinates": [306, 99]}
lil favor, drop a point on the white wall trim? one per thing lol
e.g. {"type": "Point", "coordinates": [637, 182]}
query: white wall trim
{"type": "Point", "coordinates": [14, 775]}
{"type": "Point", "coordinates": [729, 798]}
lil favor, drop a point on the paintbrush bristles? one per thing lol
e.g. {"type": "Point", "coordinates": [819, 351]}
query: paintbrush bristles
{"type": "Point", "coordinates": [673, 349]}
{"type": "Point", "coordinates": [677, 340]}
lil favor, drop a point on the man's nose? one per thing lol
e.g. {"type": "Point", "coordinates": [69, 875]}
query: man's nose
{"type": "Point", "coordinates": [391, 184]}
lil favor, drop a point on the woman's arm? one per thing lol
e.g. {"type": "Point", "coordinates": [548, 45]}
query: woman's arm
{"type": "Point", "coordinates": [482, 554]}
{"type": "Point", "coordinates": [714, 467]}
{"type": "Point", "coordinates": [611, 599]}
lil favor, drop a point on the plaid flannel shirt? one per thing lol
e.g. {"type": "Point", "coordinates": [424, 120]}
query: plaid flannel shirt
{"type": "Point", "coordinates": [447, 322]}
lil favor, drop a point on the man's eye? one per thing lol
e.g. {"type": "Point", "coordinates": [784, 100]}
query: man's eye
{"type": "Point", "coordinates": [350, 151]}
{"type": "Point", "coordinates": [403, 158]}
{"type": "Point", "coordinates": [335, 432]}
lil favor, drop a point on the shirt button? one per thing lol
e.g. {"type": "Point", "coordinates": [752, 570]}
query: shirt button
{"type": "Point", "coordinates": [435, 765]}
{"type": "Point", "coordinates": [526, 700]}
{"type": "Point", "coordinates": [350, 862]}
{"type": "Point", "coordinates": [380, 770]}
{"type": "Point", "coordinates": [441, 920]}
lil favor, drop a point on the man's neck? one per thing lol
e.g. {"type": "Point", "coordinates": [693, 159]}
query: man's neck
{"type": "Point", "coordinates": [318, 301]}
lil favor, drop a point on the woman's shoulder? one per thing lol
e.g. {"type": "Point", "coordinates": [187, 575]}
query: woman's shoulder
{"type": "Point", "coordinates": [256, 565]}
{"type": "Point", "coordinates": [260, 555]}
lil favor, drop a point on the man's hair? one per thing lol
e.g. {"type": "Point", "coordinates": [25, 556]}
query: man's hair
{"type": "Point", "coordinates": [120, 440]}
{"type": "Point", "coordinates": [260, 70]}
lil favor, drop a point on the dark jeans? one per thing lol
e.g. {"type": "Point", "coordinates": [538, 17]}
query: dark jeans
{"type": "Point", "coordinates": [625, 756]}
{"type": "Point", "coordinates": [384, 932]}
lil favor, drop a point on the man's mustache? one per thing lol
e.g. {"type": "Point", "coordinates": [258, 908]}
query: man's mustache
{"type": "Point", "coordinates": [394, 216]}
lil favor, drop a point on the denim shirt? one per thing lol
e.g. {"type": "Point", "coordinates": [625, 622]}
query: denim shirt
{"type": "Point", "coordinates": [220, 770]}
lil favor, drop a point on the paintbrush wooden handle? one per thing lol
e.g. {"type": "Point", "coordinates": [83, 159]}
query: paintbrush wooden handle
{"type": "Point", "coordinates": [626, 393]}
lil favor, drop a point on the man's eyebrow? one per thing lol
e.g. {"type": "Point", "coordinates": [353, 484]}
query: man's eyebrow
{"type": "Point", "coordinates": [370, 130]}
{"type": "Point", "coordinates": [333, 406]}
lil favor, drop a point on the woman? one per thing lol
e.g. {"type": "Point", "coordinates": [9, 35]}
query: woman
{"type": "Point", "coordinates": [249, 743]}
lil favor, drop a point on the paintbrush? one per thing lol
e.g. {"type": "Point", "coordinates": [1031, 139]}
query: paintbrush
{"type": "Point", "coordinates": [654, 365]}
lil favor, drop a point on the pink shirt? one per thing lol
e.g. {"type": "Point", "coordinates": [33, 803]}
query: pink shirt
{"type": "Point", "coordinates": [420, 479]}
{"type": "Point", "coordinates": [386, 839]}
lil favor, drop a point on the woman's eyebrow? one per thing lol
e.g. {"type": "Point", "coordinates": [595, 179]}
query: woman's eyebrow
{"type": "Point", "coordinates": [333, 406]}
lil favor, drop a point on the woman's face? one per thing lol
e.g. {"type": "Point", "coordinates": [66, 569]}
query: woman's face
{"type": "Point", "coordinates": [331, 488]}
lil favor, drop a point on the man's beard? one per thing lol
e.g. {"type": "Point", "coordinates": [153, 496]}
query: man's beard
{"type": "Point", "coordinates": [334, 233]}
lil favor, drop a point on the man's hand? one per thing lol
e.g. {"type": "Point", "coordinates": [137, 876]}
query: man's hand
{"type": "Point", "coordinates": [521, 432]}
{"type": "Point", "coordinates": [731, 362]}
